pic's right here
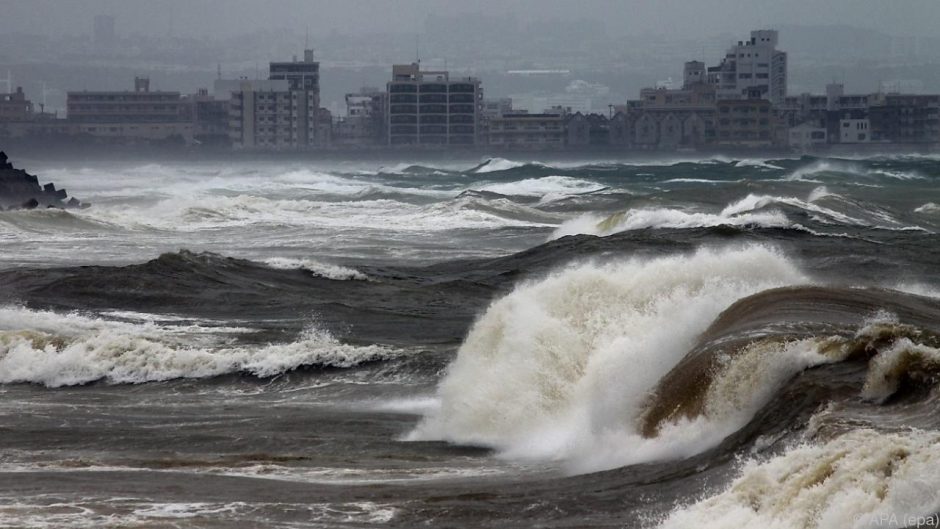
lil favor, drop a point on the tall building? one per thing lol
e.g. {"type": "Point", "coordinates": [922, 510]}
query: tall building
{"type": "Point", "coordinates": [281, 113]}
{"type": "Point", "coordinates": [752, 69]}
{"type": "Point", "coordinates": [431, 108]}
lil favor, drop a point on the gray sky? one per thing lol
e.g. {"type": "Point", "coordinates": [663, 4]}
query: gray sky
{"type": "Point", "coordinates": [693, 18]}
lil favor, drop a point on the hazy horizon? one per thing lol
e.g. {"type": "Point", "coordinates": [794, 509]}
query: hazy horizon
{"type": "Point", "coordinates": [226, 18]}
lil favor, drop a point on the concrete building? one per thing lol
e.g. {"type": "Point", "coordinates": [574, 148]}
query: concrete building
{"type": "Point", "coordinates": [497, 107]}
{"type": "Point", "coordinates": [364, 123]}
{"type": "Point", "coordinates": [694, 73]}
{"type": "Point", "coordinates": [807, 137]}
{"type": "Point", "coordinates": [854, 131]}
{"type": "Point", "coordinates": [752, 69]}
{"type": "Point", "coordinates": [282, 113]}
{"type": "Point", "coordinates": [908, 119]}
{"type": "Point", "coordinates": [528, 131]}
{"type": "Point", "coordinates": [15, 106]}
{"type": "Point", "coordinates": [587, 130]}
{"type": "Point", "coordinates": [431, 108]}
{"type": "Point", "coordinates": [222, 89]}
{"type": "Point", "coordinates": [141, 115]}
{"type": "Point", "coordinates": [210, 118]}
{"type": "Point", "coordinates": [667, 119]}
{"type": "Point", "coordinates": [745, 123]}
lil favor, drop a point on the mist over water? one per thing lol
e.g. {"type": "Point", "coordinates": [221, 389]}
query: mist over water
{"type": "Point", "coordinates": [479, 343]}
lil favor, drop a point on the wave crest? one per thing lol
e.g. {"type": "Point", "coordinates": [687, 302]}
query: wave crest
{"type": "Point", "coordinates": [65, 350]}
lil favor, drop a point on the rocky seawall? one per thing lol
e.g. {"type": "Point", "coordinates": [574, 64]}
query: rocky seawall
{"type": "Point", "coordinates": [21, 190]}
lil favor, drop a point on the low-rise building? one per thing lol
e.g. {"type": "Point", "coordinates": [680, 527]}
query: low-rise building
{"type": "Point", "coordinates": [140, 115]}
{"type": "Point", "coordinates": [528, 131]}
{"type": "Point", "coordinates": [587, 130]}
{"type": "Point", "coordinates": [854, 131]}
{"type": "Point", "coordinates": [15, 107]}
{"type": "Point", "coordinates": [807, 137]}
{"type": "Point", "coordinates": [667, 119]}
{"type": "Point", "coordinates": [907, 119]}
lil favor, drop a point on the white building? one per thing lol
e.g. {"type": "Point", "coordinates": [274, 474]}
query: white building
{"type": "Point", "coordinates": [752, 68]}
{"type": "Point", "coordinates": [806, 136]}
{"type": "Point", "coordinates": [854, 131]}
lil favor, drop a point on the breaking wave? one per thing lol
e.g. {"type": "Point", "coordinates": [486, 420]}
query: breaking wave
{"type": "Point", "coordinates": [56, 350]}
{"type": "Point", "coordinates": [317, 268]}
{"type": "Point", "coordinates": [751, 211]}
{"type": "Point", "coordinates": [863, 478]}
{"type": "Point", "coordinates": [560, 368]}
{"type": "Point", "coordinates": [928, 209]}
{"type": "Point", "coordinates": [547, 185]}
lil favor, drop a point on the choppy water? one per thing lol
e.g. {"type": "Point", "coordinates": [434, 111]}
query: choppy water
{"type": "Point", "coordinates": [668, 343]}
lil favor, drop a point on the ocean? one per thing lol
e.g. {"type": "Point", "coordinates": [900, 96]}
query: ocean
{"type": "Point", "coordinates": [710, 343]}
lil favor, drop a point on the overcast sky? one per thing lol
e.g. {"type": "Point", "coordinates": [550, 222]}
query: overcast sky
{"type": "Point", "coordinates": [693, 18]}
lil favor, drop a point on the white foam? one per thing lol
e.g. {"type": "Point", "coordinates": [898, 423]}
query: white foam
{"type": "Point", "coordinates": [918, 289]}
{"type": "Point", "coordinates": [317, 268]}
{"type": "Point", "coordinates": [643, 218]}
{"type": "Point", "coordinates": [560, 369]}
{"type": "Point", "coordinates": [62, 350]}
{"type": "Point", "coordinates": [211, 213]}
{"type": "Point", "coordinates": [760, 164]}
{"type": "Point", "coordinates": [131, 512]}
{"type": "Point", "coordinates": [863, 479]}
{"type": "Point", "coordinates": [928, 209]}
{"type": "Point", "coordinates": [538, 187]}
{"type": "Point", "coordinates": [498, 164]}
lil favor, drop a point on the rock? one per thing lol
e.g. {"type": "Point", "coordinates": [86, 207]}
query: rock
{"type": "Point", "coordinates": [21, 190]}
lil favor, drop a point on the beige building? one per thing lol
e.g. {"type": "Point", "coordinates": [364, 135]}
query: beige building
{"type": "Point", "coordinates": [140, 115]}
{"type": "Point", "coordinates": [668, 119]}
{"type": "Point", "coordinates": [745, 123]}
{"type": "Point", "coordinates": [527, 131]}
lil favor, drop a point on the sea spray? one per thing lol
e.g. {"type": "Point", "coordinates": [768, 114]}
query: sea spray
{"type": "Point", "coordinates": [560, 368]}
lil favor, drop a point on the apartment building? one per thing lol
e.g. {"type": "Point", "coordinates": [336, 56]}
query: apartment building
{"type": "Point", "coordinates": [752, 69]}
{"type": "Point", "coordinates": [281, 113]}
{"type": "Point", "coordinates": [131, 116]}
{"type": "Point", "coordinates": [430, 108]}
{"type": "Point", "coordinates": [745, 123]}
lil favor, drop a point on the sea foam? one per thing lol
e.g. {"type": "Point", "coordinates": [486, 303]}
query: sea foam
{"type": "Point", "coordinates": [861, 479]}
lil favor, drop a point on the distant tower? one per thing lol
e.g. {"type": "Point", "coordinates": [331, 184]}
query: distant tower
{"type": "Point", "coordinates": [141, 84]}
{"type": "Point", "coordinates": [104, 31]}
{"type": "Point", "coordinates": [693, 74]}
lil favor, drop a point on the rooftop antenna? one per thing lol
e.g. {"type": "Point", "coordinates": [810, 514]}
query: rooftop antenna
{"type": "Point", "coordinates": [307, 38]}
{"type": "Point", "coordinates": [219, 72]}
{"type": "Point", "coordinates": [418, 49]}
